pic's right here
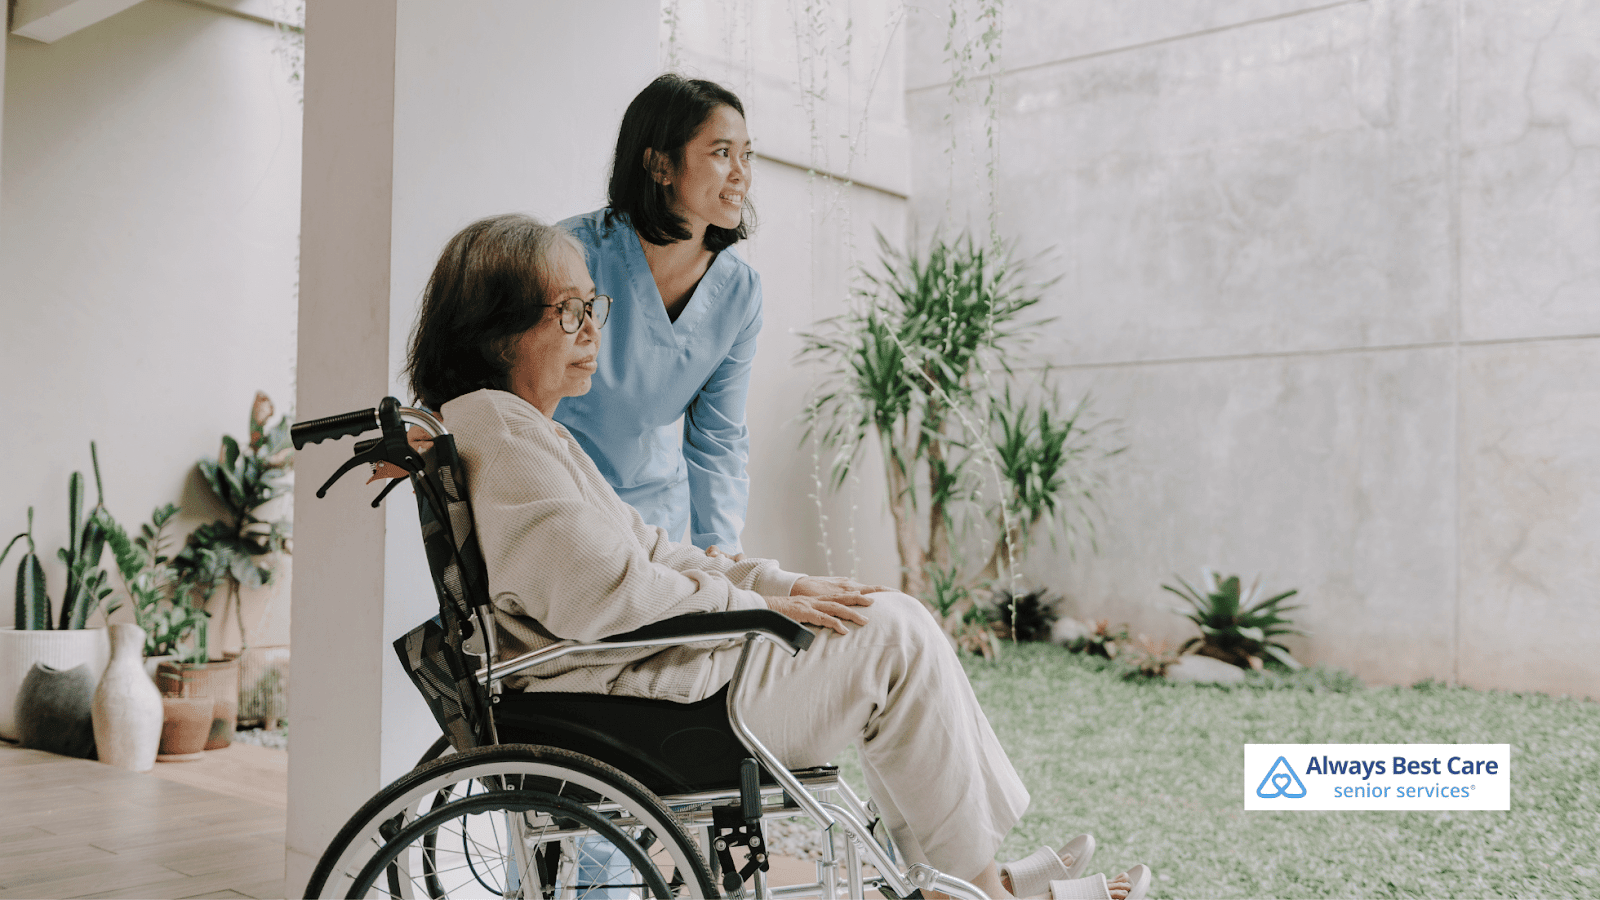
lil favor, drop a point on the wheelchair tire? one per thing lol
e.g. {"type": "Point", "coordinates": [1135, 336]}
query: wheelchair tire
{"type": "Point", "coordinates": [458, 776]}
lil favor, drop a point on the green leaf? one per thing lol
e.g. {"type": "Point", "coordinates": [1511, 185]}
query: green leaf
{"type": "Point", "coordinates": [6, 552]}
{"type": "Point", "coordinates": [230, 453]}
{"type": "Point", "coordinates": [1282, 655]}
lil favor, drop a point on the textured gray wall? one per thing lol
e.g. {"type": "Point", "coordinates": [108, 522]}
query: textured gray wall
{"type": "Point", "coordinates": [1336, 267]}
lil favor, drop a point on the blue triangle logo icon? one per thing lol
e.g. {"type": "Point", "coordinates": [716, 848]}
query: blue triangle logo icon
{"type": "Point", "coordinates": [1281, 781]}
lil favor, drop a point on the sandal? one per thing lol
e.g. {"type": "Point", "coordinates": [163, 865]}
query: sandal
{"type": "Point", "coordinates": [1095, 886]}
{"type": "Point", "coordinates": [1031, 876]}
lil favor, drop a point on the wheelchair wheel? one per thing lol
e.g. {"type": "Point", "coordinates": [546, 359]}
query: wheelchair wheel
{"type": "Point", "coordinates": [503, 834]}
{"type": "Point", "coordinates": [472, 849]}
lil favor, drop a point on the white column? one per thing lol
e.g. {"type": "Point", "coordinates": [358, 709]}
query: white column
{"type": "Point", "coordinates": [419, 118]}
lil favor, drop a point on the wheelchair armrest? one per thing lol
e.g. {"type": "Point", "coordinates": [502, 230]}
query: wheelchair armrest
{"type": "Point", "coordinates": [769, 622]}
{"type": "Point", "coordinates": [666, 633]}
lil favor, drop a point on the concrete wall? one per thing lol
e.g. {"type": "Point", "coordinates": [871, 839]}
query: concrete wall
{"type": "Point", "coordinates": [149, 223]}
{"type": "Point", "coordinates": [824, 91]}
{"type": "Point", "coordinates": [1335, 267]}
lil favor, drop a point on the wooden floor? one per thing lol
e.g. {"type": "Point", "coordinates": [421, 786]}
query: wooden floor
{"type": "Point", "coordinates": [75, 828]}
{"type": "Point", "coordinates": [209, 828]}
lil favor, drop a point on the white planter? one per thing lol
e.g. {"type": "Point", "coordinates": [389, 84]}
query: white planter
{"type": "Point", "coordinates": [19, 650]}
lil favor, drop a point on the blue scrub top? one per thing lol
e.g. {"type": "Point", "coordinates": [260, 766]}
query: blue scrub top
{"type": "Point", "coordinates": [652, 371]}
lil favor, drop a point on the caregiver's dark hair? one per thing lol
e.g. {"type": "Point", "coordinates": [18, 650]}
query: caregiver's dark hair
{"type": "Point", "coordinates": [664, 117]}
{"type": "Point", "coordinates": [486, 289]}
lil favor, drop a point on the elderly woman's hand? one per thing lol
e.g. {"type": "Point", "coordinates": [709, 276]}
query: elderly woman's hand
{"type": "Point", "coordinates": [827, 585]}
{"type": "Point", "coordinates": [829, 611]}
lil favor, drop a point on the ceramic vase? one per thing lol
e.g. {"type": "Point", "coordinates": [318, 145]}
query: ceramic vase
{"type": "Point", "coordinates": [59, 649]}
{"type": "Point", "coordinates": [52, 711]}
{"type": "Point", "coordinates": [127, 706]}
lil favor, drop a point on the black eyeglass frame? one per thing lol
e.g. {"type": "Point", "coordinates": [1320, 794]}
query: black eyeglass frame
{"type": "Point", "coordinates": [588, 312]}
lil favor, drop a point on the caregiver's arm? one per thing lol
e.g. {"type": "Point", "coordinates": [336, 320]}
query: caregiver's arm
{"type": "Point", "coordinates": [716, 445]}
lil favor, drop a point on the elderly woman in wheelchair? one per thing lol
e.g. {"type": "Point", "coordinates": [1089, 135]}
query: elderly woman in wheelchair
{"type": "Point", "coordinates": [509, 325]}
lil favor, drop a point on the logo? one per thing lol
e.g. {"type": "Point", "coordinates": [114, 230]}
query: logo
{"type": "Point", "coordinates": [1306, 777]}
{"type": "Point", "coordinates": [1281, 781]}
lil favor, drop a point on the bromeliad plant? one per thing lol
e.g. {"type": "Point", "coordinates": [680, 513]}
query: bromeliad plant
{"type": "Point", "coordinates": [925, 369]}
{"type": "Point", "coordinates": [1235, 626]}
{"type": "Point", "coordinates": [86, 581]}
{"type": "Point", "coordinates": [239, 549]}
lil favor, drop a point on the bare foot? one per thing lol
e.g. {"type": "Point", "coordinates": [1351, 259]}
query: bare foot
{"type": "Point", "coordinates": [1119, 886]}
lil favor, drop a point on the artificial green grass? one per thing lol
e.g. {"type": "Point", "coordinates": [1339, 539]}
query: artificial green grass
{"type": "Point", "coordinates": [1155, 771]}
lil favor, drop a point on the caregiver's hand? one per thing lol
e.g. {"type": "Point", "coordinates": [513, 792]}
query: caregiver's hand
{"type": "Point", "coordinates": [419, 441]}
{"type": "Point", "coordinates": [830, 611]}
{"type": "Point", "coordinates": [827, 585]}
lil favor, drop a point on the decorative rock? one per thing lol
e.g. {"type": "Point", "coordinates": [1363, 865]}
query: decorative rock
{"type": "Point", "coordinates": [53, 710]}
{"type": "Point", "coordinates": [1204, 670]}
{"type": "Point", "coordinates": [127, 707]}
{"type": "Point", "coordinates": [1067, 631]}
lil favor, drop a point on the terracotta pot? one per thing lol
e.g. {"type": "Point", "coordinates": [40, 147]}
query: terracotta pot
{"type": "Point", "coordinates": [58, 649]}
{"type": "Point", "coordinates": [185, 725]}
{"type": "Point", "coordinates": [217, 680]}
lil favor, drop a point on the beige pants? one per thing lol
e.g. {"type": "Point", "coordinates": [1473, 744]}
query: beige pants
{"type": "Point", "coordinates": [941, 779]}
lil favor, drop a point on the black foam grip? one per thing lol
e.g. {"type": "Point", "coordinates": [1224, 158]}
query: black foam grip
{"type": "Point", "coordinates": [333, 427]}
{"type": "Point", "coordinates": [750, 790]}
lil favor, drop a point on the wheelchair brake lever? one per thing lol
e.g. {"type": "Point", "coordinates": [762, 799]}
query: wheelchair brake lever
{"type": "Point", "coordinates": [393, 483]}
{"type": "Point", "coordinates": [393, 447]}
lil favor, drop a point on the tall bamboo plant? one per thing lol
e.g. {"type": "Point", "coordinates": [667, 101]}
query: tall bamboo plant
{"type": "Point", "coordinates": [1047, 455]}
{"type": "Point", "coordinates": [920, 368]}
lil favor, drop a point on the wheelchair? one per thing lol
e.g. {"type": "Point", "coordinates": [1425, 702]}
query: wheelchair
{"type": "Point", "coordinates": [532, 794]}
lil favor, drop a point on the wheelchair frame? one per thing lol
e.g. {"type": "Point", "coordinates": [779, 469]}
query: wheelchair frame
{"type": "Point", "coordinates": [465, 604]}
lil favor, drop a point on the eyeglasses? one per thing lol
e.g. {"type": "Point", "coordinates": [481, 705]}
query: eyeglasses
{"type": "Point", "coordinates": [573, 311]}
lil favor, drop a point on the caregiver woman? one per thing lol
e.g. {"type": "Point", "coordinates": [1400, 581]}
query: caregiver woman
{"type": "Point", "coordinates": [684, 318]}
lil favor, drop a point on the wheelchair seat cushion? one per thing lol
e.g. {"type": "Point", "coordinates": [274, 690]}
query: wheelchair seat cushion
{"type": "Point", "coordinates": [673, 748]}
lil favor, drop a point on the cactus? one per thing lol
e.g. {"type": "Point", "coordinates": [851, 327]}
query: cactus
{"type": "Point", "coordinates": [33, 603]}
{"type": "Point", "coordinates": [86, 541]}
{"type": "Point", "coordinates": [86, 581]}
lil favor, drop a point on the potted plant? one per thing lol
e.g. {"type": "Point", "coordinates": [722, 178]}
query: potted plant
{"type": "Point", "coordinates": [174, 627]}
{"type": "Point", "coordinates": [236, 551]}
{"type": "Point", "coordinates": [60, 642]}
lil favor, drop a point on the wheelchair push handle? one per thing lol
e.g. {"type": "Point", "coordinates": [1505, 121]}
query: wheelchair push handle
{"type": "Point", "coordinates": [333, 427]}
{"type": "Point", "coordinates": [393, 446]}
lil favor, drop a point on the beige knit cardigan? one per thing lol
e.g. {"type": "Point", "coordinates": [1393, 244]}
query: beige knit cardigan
{"type": "Point", "coordinates": [567, 558]}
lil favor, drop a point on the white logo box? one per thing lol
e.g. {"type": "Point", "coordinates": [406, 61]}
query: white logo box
{"type": "Point", "coordinates": [1364, 776]}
